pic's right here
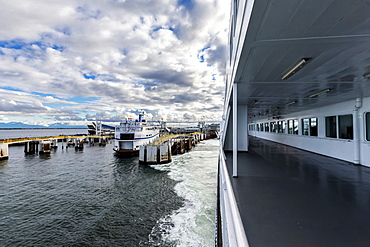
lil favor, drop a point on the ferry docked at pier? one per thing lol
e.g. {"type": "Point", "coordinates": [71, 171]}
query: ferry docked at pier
{"type": "Point", "coordinates": [131, 134]}
{"type": "Point", "coordinates": [294, 166]}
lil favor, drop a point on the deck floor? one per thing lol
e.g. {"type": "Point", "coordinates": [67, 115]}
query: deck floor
{"type": "Point", "coordinates": [290, 197]}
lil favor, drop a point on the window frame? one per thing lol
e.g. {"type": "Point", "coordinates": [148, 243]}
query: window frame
{"type": "Point", "coordinates": [335, 117]}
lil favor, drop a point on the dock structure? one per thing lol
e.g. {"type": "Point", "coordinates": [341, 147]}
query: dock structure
{"type": "Point", "coordinates": [44, 145]}
{"type": "Point", "coordinates": [162, 149]}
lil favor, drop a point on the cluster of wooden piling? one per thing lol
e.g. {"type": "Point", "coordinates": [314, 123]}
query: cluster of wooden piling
{"type": "Point", "coordinates": [161, 152]}
{"type": "Point", "coordinates": [44, 146]}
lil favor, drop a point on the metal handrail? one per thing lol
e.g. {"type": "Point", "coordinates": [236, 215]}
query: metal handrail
{"type": "Point", "coordinates": [233, 233]}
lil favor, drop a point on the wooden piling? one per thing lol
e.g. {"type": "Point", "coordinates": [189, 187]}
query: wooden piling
{"type": "Point", "coordinates": [45, 147]}
{"type": "Point", "coordinates": [31, 147]}
{"type": "Point", "coordinates": [4, 151]}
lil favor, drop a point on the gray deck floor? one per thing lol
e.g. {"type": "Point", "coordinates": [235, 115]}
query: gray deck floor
{"type": "Point", "coordinates": [290, 197]}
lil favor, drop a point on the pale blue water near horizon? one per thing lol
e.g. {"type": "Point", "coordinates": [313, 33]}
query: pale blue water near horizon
{"type": "Point", "coordinates": [93, 198]}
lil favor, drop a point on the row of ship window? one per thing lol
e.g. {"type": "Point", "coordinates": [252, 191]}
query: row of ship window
{"type": "Point", "coordinates": [335, 126]}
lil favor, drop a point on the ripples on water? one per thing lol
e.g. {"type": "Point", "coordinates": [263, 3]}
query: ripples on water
{"type": "Point", "coordinates": [93, 198]}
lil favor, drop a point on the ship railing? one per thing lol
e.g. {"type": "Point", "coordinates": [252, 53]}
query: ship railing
{"type": "Point", "coordinates": [232, 228]}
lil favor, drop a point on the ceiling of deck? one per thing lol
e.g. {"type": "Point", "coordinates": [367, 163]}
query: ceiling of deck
{"type": "Point", "coordinates": [334, 33]}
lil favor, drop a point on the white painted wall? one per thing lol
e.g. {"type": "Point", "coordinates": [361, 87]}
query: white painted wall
{"type": "Point", "coordinates": [337, 148]}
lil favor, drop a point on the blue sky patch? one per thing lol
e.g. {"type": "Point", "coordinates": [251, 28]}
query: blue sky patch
{"type": "Point", "coordinates": [205, 48]}
{"type": "Point", "coordinates": [12, 89]}
{"type": "Point", "coordinates": [56, 105]}
{"type": "Point", "coordinates": [189, 4]}
{"type": "Point", "coordinates": [16, 44]}
{"type": "Point", "coordinates": [89, 76]}
{"type": "Point", "coordinates": [19, 44]}
{"type": "Point", "coordinates": [124, 51]}
{"type": "Point", "coordinates": [58, 48]}
{"type": "Point", "coordinates": [80, 99]}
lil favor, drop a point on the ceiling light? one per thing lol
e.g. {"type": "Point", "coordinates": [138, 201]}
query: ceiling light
{"type": "Point", "coordinates": [319, 93]}
{"type": "Point", "coordinates": [253, 102]}
{"type": "Point", "coordinates": [366, 75]}
{"type": "Point", "coordinates": [291, 103]}
{"type": "Point", "coordinates": [296, 68]}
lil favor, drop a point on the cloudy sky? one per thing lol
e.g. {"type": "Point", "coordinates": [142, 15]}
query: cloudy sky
{"type": "Point", "coordinates": [74, 61]}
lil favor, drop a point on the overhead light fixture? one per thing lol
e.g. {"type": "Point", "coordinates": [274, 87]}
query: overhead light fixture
{"type": "Point", "coordinates": [298, 66]}
{"type": "Point", "coordinates": [366, 75]}
{"type": "Point", "coordinates": [319, 93]}
{"type": "Point", "coordinates": [253, 102]}
{"type": "Point", "coordinates": [291, 103]}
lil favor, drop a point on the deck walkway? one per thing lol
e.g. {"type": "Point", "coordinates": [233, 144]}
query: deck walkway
{"type": "Point", "coordinates": [290, 197]}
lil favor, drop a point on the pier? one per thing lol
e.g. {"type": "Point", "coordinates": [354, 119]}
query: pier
{"type": "Point", "coordinates": [44, 145]}
{"type": "Point", "coordinates": [162, 149]}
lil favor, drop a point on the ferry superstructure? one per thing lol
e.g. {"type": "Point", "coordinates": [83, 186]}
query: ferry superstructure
{"type": "Point", "coordinates": [131, 134]}
{"type": "Point", "coordinates": [298, 76]}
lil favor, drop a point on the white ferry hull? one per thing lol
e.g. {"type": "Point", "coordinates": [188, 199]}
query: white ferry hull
{"type": "Point", "coordinates": [132, 147]}
{"type": "Point", "coordinates": [130, 135]}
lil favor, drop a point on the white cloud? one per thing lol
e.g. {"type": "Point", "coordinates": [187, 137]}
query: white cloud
{"type": "Point", "coordinates": [151, 55]}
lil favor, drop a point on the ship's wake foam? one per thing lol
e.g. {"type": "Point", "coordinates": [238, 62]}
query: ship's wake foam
{"type": "Point", "coordinates": [193, 224]}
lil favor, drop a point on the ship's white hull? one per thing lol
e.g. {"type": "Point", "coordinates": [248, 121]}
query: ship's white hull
{"type": "Point", "coordinates": [130, 135]}
{"type": "Point", "coordinates": [131, 147]}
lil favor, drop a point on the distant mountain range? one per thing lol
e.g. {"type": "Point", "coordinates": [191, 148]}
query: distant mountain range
{"type": "Point", "coordinates": [18, 125]}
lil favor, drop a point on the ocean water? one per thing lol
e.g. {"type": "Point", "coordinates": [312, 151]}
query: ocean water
{"type": "Point", "coordinates": [93, 198]}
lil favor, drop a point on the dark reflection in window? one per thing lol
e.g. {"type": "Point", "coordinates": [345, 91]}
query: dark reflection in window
{"type": "Point", "coordinates": [346, 126]}
{"type": "Point", "coordinates": [313, 126]}
{"type": "Point", "coordinates": [331, 126]}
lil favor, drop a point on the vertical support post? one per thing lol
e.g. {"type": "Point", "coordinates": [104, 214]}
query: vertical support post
{"type": "Point", "coordinates": [246, 129]}
{"type": "Point", "coordinates": [356, 133]}
{"type": "Point", "coordinates": [242, 128]}
{"type": "Point", "coordinates": [235, 130]}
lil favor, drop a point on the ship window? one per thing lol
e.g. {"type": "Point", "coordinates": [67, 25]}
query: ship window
{"type": "Point", "coordinates": [273, 127]}
{"type": "Point", "coordinates": [346, 126]}
{"type": "Point", "coordinates": [293, 127]}
{"type": "Point", "coordinates": [290, 126]}
{"type": "Point", "coordinates": [129, 136]}
{"type": "Point", "coordinates": [267, 129]}
{"type": "Point", "coordinates": [281, 126]}
{"type": "Point", "coordinates": [313, 126]}
{"type": "Point", "coordinates": [331, 126]}
{"type": "Point", "coordinates": [367, 116]}
{"type": "Point", "coordinates": [295, 123]}
{"type": "Point", "coordinates": [305, 125]}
